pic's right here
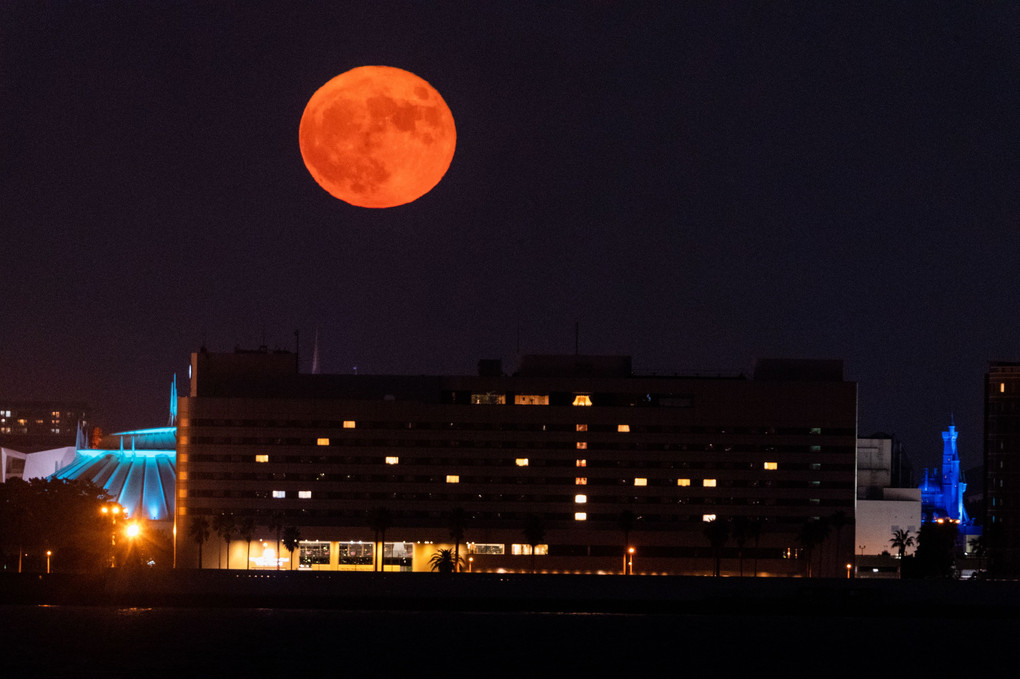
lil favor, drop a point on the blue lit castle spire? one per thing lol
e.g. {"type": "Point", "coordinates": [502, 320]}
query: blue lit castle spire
{"type": "Point", "coordinates": [943, 498]}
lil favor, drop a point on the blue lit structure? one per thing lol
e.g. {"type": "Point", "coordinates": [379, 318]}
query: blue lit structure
{"type": "Point", "coordinates": [139, 475]}
{"type": "Point", "coordinates": [942, 498]}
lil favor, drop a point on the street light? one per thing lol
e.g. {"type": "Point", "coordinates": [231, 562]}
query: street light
{"type": "Point", "coordinates": [48, 554]}
{"type": "Point", "coordinates": [630, 560]}
{"type": "Point", "coordinates": [848, 567]}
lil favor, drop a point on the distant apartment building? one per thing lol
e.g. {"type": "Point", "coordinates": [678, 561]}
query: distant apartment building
{"type": "Point", "coordinates": [558, 467]}
{"type": "Point", "coordinates": [35, 436]}
{"type": "Point", "coordinates": [1002, 468]}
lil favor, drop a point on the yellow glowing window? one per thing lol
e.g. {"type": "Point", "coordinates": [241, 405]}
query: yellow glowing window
{"type": "Point", "coordinates": [1002, 387]}
{"type": "Point", "coordinates": [708, 518]}
{"type": "Point", "coordinates": [392, 459]}
{"type": "Point", "coordinates": [182, 458]}
{"type": "Point", "coordinates": [350, 424]}
{"type": "Point", "coordinates": [531, 399]}
{"type": "Point", "coordinates": [580, 516]}
{"type": "Point", "coordinates": [305, 494]}
{"type": "Point", "coordinates": [183, 492]}
{"type": "Point", "coordinates": [580, 499]}
{"type": "Point", "coordinates": [322, 442]}
{"type": "Point", "coordinates": [182, 475]}
{"type": "Point", "coordinates": [182, 439]}
{"type": "Point", "coordinates": [683, 482]}
{"type": "Point", "coordinates": [262, 458]}
{"type": "Point", "coordinates": [582, 400]}
{"type": "Point", "coordinates": [452, 478]}
{"type": "Point", "coordinates": [640, 481]}
{"type": "Point", "coordinates": [581, 463]}
{"type": "Point", "coordinates": [771, 466]}
{"type": "Point", "coordinates": [521, 462]}
{"type": "Point", "coordinates": [582, 427]}
{"type": "Point", "coordinates": [708, 483]}
{"type": "Point", "coordinates": [623, 427]}
{"type": "Point", "coordinates": [582, 445]}
{"type": "Point", "coordinates": [581, 481]}
{"type": "Point", "coordinates": [525, 550]}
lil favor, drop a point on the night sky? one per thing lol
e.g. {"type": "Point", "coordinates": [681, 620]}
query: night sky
{"type": "Point", "coordinates": [695, 186]}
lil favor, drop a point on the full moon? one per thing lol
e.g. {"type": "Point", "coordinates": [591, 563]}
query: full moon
{"type": "Point", "coordinates": [377, 136]}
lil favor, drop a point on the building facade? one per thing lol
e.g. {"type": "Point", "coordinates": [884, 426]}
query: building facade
{"type": "Point", "coordinates": [559, 467]}
{"type": "Point", "coordinates": [1002, 469]}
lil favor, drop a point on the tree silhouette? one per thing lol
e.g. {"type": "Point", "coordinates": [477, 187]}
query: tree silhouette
{"type": "Point", "coordinates": [717, 533]}
{"type": "Point", "coordinates": [626, 520]}
{"type": "Point", "coordinates": [379, 519]}
{"type": "Point", "coordinates": [276, 526]}
{"type": "Point", "coordinates": [291, 540]}
{"type": "Point", "coordinates": [741, 534]}
{"type": "Point", "coordinates": [457, 520]}
{"type": "Point", "coordinates": [198, 530]}
{"type": "Point", "coordinates": [837, 521]}
{"type": "Point", "coordinates": [225, 526]}
{"type": "Point", "coordinates": [902, 540]}
{"type": "Point", "coordinates": [534, 534]}
{"type": "Point", "coordinates": [444, 561]}
{"type": "Point", "coordinates": [246, 530]}
{"type": "Point", "coordinates": [812, 534]}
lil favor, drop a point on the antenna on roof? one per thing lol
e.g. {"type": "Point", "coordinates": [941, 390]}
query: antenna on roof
{"type": "Point", "coordinates": [173, 402]}
{"type": "Point", "coordinates": [315, 353]}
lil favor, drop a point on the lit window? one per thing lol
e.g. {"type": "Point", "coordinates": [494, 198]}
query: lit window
{"type": "Point", "coordinates": [580, 499]}
{"type": "Point", "coordinates": [623, 427]}
{"type": "Point", "coordinates": [582, 445]}
{"type": "Point", "coordinates": [322, 442]}
{"type": "Point", "coordinates": [708, 518]}
{"type": "Point", "coordinates": [305, 494]}
{"type": "Point", "coordinates": [521, 462]}
{"type": "Point", "coordinates": [350, 424]}
{"type": "Point", "coordinates": [531, 399]}
{"type": "Point", "coordinates": [262, 458]}
{"type": "Point", "coordinates": [771, 466]}
{"type": "Point", "coordinates": [1002, 387]}
{"type": "Point", "coordinates": [279, 493]}
{"type": "Point", "coordinates": [488, 398]}
{"type": "Point", "coordinates": [581, 481]}
{"type": "Point", "coordinates": [392, 459]}
{"type": "Point", "coordinates": [525, 550]}
{"type": "Point", "coordinates": [581, 463]}
{"type": "Point", "coordinates": [582, 400]}
{"type": "Point", "coordinates": [182, 475]}
{"type": "Point", "coordinates": [708, 483]}
{"type": "Point", "coordinates": [582, 427]}
{"type": "Point", "coordinates": [683, 482]}
{"type": "Point", "coordinates": [580, 516]}
{"type": "Point", "coordinates": [452, 478]}
{"type": "Point", "coordinates": [640, 481]}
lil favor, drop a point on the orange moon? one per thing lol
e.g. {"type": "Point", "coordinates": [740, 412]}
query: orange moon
{"type": "Point", "coordinates": [377, 136]}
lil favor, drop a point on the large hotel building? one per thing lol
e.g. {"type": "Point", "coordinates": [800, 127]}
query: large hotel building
{"type": "Point", "coordinates": [559, 467]}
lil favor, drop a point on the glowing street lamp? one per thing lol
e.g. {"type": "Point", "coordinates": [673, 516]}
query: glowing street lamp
{"type": "Point", "coordinates": [630, 560]}
{"type": "Point", "coordinates": [48, 554]}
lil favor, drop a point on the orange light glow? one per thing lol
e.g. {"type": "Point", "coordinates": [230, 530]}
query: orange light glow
{"type": "Point", "coordinates": [377, 137]}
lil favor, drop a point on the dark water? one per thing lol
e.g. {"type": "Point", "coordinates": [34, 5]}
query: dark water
{"type": "Point", "coordinates": [82, 641]}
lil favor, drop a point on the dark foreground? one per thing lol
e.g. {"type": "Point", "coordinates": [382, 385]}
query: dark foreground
{"type": "Point", "coordinates": [161, 624]}
{"type": "Point", "coordinates": [517, 593]}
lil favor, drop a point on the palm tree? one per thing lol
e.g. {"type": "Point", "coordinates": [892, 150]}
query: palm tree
{"type": "Point", "coordinates": [534, 534]}
{"type": "Point", "coordinates": [276, 525]}
{"type": "Point", "coordinates": [718, 534]}
{"type": "Point", "coordinates": [812, 534]}
{"type": "Point", "coordinates": [837, 521]}
{"type": "Point", "coordinates": [198, 530]}
{"type": "Point", "coordinates": [741, 534]}
{"type": "Point", "coordinates": [457, 521]}
{"type": "Point", "coordinates": [379, 519]}
{"type": "Point", "coordinates": [225, 527]}
{"type": "Point", "coordinates": [246, 529]}
{"type": "Point", "coordinates": [754, 527]}
{"type": "Point", "coordinates": [902, 540]}
{"type": "Point", "coordinates": [443, 561]}
{"type": "Point", "coordinates": [291, 540]}
{"type": "Point", "coordinates": [627, 519]}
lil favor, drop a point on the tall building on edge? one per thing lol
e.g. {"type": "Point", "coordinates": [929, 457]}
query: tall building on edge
{"type": "Point", "coordinates": [593, 457]}
{"type": "Point", "coordinates": [1002, 468]}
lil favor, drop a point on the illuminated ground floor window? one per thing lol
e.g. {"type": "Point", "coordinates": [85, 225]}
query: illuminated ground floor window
{"type": "Point", "coordinates": [525, 550]}
{"type": "Point", "coordinates": [314, 553]}
{"type": "Point", "coordinates": [355, 553]}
